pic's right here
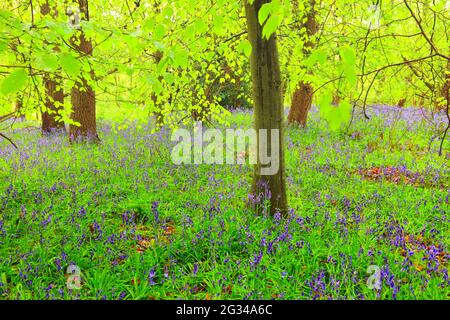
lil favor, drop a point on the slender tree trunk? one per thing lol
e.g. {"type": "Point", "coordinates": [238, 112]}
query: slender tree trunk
{"type": "Point", "coordinates": [82, 95]}
{"type": "Point", "coordinates": [157, 113]}
{"type": "Point", "coordinates": [268, 107]}
{"type": "Point", "coordinates": [54, 93]}
{"type": "Point", "coordinates": [336, 98]}
{"type": "Point", "coordinates": [446, 86]}
{"type": "Point", "coordinates": [303, 94]}
{"type": "Point", "coordinates": [19, 107]}
{"type": "Point", "coordinates": [19, 103]}
{"type": "Point", "coordinates": [446, 94]}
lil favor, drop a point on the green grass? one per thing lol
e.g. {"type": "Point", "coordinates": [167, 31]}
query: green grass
{"type": "Point", "coordinates": [137, 226]}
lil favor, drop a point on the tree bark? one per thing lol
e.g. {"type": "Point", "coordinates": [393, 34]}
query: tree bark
{"type": "Point", "coordinates": [446, 94]}
{"type": "Point", "coordinates": [268, 107]}
{"type": "Point", "coordinates": [82, 95]}
{"type": "Point", "coordinates": [158, 113]}
{"type": "Point", "coordinates": [446, 86]}
{"type": "Point", "coordinates": [53, 105]}
{"type": "Point", "coordinates": [303, 94]}
{"type": "Point", "coordinates": [54, 93]}
{"type": "Point", "coordinates": [301, 103]}
{"type": "Point", "coordinates": [19, 107]}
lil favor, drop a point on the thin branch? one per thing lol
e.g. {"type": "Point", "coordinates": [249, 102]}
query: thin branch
{"type": "Point", "coordinates": [7, 116]}
{"type": "Point", "coordinates": [419, 24]}
{"type": "Point", "coordinates": [10, 141]}
{"type": "Point", "coordinates": [238, 35]}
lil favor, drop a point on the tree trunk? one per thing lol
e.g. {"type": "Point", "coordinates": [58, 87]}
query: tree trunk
{"type": "Point", "coordinates": [268, 107]}
{"type": "Point", "coordinates": [82, 95]}
{"type": "Point", "coordinates": [336, 98]}
{"type": "Point", "coordinates": [83, 104]}
{"type": "Point", "coordinates": [301, 103]}
{"type": "Point", "coordinates": [55, 96]}
{"type": "Point", "coordinates": [19, 107]}
{"type": "Point", "coordinates": [303, 94]}
{"type": "Point", "coordinates": [445, 91]}
{"type": "Point", "coordinates": [158, 113]}
{"type": "Point", "coordinates": [53, 106]}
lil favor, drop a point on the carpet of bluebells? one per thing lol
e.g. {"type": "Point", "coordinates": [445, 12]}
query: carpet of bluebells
{"type": "Point", "coordinates": [140, 227]}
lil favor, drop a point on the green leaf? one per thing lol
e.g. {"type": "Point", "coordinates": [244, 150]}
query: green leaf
{"type": "Point", "coordinates": [271, 26]}
{"type": "Point", "coordinates": [129, 70]}
{"type": "Point", "coordinates": [167, 12]}
{"type": "Point", "coordinates": [316, 56]}
{"type": "Point", "coordinates": [160, 32]}
{"type": "Point", "coordinates": [149, 24]}
{"type": "Point", "coordinates": [218, 25]}
{"type": "Point", "coordinates": [48, 62]}
{"type": "Point", "coordinates": [169, 78]}
{"type": "Point", "coordinates": [57, 28]}
{"type": "Point", "coordinates": [246, 47]}
{"type": "Point", "coordinates": [70, 65]}
{"type": "Point", "coordinates": [180, 57]}
{"type": "Point", "coordinates": [345, 113]}
{"type": "Point", "coordinates": [200, 26]}
{"type": "Point", "coordinates": [270, 15]}
{"type": "Point", "coordinates": [264, 12]}
{"type": "Point", "coordinates": [325, 106]}
{"type": "Point", "coordinates": [14, 82]}
{"type": "Point", "coordinates": [350, 75]}
{"type": "Point", "coordinates": [3, 46]}
{"type": "Point", "coordinates": [189, 33]}
{"type": "Point", "coordinates": [162, 65]}
{"type": "Point", "coordinates": [155, 84]}
{"type": "Point", "coordinates": [339, 116]}
{"type": "Point", "coordinates": [348, 56]}
{"type": "Point", "coordinates": [335, 116]}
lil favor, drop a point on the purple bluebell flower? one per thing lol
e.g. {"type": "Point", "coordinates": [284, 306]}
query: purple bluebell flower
{"type": "Point", "coordinates": [155, 211]}
{"type": "Point", "coordinates": [195, 270]}
{"type": "Point", "coordinates": [151, 276]}
{"type": "Point", "coordinates": [256, 260]}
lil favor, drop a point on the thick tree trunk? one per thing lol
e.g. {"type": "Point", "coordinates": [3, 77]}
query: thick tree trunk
{"type": "Point", "coordinates": [303, 94]}
{"type": "Point", "coordinates": [268, 108]}
{"type": "Point", "coordinates": [55, 95]}
{"type": "Point", "coordinates": [82, 95]}
{"type": "Point", "coordinates": [301, 103]}
{"type": "Point", "coordinates": [53, 106]}
{"type": "Point", "coordinates": [83, 104]}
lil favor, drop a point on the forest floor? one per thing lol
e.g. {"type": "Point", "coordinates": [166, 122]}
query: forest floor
{"type": "Point", "coordinates": [140, 227]}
